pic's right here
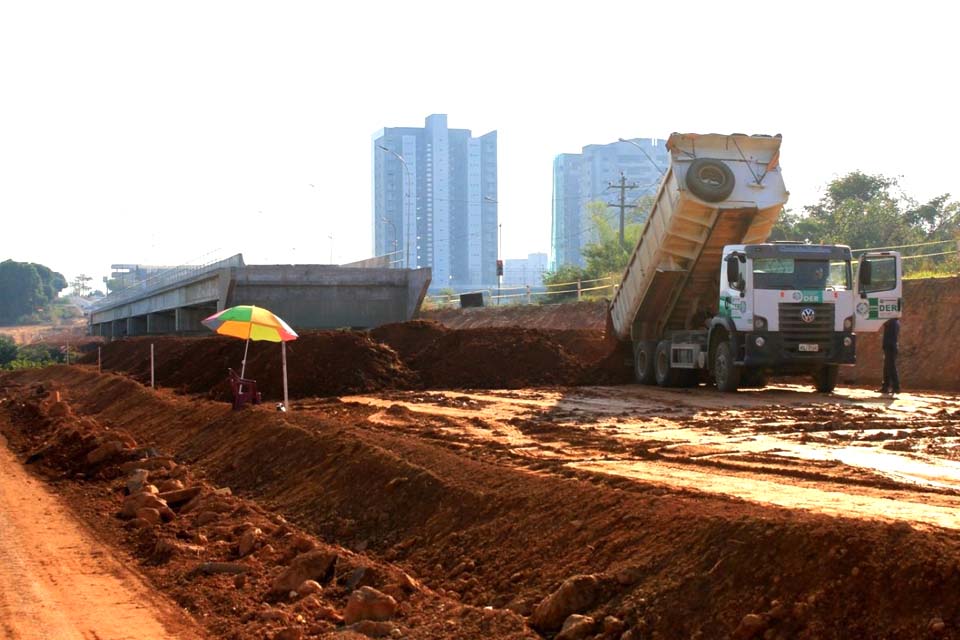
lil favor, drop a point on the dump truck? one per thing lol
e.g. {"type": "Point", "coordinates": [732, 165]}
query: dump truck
{"type": "Point", "coordinates": [705, 297]}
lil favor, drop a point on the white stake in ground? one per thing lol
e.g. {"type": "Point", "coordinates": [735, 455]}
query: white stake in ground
{"type": "Point", "coordinates": [283, 354]}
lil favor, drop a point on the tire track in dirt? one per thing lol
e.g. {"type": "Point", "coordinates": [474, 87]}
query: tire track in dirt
{"type": "Point", "coordinates": [57, 582]}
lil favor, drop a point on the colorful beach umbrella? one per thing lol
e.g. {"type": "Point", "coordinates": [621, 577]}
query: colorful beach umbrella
{"type": "Point", "coordinates": [248, 322]}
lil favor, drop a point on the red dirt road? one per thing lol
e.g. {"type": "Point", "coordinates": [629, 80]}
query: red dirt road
{"type": "Point", "coordinates": [56, 581]}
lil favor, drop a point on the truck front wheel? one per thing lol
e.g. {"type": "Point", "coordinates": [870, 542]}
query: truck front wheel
{"type": "Point", "coordinates": [644, 355]}
{"type": "Point", "coordinates": [825, 378]}
{"type": "Point", "coordinates": [725, 372]}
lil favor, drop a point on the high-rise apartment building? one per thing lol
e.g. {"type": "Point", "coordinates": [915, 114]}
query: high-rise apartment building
{"type": "Point", "coordinates": [435, 201]}
{"type": "Point", "coordinates": [581, 178]}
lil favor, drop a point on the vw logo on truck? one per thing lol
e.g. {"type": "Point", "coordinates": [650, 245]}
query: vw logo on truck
{"type": "Point", "coordinates": [808, 315]}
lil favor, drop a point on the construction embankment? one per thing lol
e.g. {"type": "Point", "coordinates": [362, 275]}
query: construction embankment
{"type": "Point", "coordinates": [471, 539]}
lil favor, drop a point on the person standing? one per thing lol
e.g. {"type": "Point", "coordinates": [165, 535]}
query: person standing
{"type": "Point", "coordinates": [891, 340]}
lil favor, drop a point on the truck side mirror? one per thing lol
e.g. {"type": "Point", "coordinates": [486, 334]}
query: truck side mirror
{"type": "Point", "coordinates": [866, 272]}
{"type": "Point", "coordinates": [733, 271]}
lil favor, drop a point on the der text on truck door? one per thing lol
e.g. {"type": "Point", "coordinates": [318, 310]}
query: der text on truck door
{"type": "Point", "coordinates": [879, 289]}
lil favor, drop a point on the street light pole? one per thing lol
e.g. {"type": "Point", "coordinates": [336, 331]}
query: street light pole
{"type": "Point", "coordinates": [499, 247]}
{"type": "Point", "coordinates": [406, 171]}
{"type": "Point", "coordinates": [644, 152]}
{"type": "Point", "coordinates": [392, 226]}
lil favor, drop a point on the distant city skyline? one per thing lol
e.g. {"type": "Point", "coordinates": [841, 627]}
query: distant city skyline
{"type": "Point", "coordinates": [435, 201]}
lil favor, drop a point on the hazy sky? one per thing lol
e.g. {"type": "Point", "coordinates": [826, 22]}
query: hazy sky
{"type": "Point", "coordinates": [160, 132]}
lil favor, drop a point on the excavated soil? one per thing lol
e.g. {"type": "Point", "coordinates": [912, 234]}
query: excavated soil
{"type": "Point", "coordinates": [497, 500]}
{"type": "Point", "coordinates": [220, 556]}
{"type": "Point", "coordinates": [573, 315]}
{"type": "Point", "coordinates": [410, 355]}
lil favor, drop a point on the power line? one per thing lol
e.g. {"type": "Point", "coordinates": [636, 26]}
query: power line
{"type": "Point", "coordinates": [903, 246]}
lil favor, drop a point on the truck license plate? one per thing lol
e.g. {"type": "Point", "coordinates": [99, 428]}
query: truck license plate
{"type": "Point", "coordinates": [809, 347]}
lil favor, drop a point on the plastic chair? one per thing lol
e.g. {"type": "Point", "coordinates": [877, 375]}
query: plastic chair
{"type": "Point", "coordinates": [244, 390]}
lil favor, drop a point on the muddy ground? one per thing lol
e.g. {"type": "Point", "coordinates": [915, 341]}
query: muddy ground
{"type": "Point", "coordinates": [667, 513]}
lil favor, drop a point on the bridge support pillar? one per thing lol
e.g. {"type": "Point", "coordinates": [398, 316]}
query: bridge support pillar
{"type": "Point", "coordinates": [162, 322]}
{"type": "Point", "coordinates": [137, 326]}
{"type": "Point", "coordinates": [188, 319]}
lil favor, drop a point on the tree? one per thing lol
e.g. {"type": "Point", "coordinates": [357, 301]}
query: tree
{"type": "Point", "coordinates": [604, 256]}
{"type": "Point", "coordinates": [558, 283]}
{"type": "Point", "coordinates": [26, 288]}
{"type": "Point", "coordinates": [80, 286]}
{"type": "Point", "coordinates": [8, 350]}
{"type": "Point", "coordinates": [866, 211]}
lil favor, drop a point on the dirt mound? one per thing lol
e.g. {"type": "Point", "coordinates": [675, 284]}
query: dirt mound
{"type": "Point", "coordinates": [320, 363]}
{"type": "Point", "coordinates": [506, 357]}
{"type": "Point", "coordinates": [407, 355]}
{"type": "Point", "coordinates": [490, 529]}
{"type": "Point", "coordinates": [500, 357]}
{"type": "Point", "coordinates": [573, 315]}
{"type": "Point", "coordinates": [929, 326]}
{"type": "Point", "coordinates": [238, 568]}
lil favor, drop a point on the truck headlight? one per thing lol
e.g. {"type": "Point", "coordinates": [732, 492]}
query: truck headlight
{"type": "Point", "coordinates": [848, 323]}
{"type": "Point", "coordinates": [759, 323]}
{"type": "Point", "coordinates": [759, 341]}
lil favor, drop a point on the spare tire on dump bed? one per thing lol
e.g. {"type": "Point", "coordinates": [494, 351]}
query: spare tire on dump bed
{"type": "Point", "coordinates": [710, 180]}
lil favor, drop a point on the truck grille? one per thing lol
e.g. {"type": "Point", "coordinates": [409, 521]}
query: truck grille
{"type": "Point", "coordinates": [796, 332]}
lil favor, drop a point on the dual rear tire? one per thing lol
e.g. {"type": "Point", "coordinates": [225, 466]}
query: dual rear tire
{"type": "Point", "coordinates": [644, 356]}
{"type": "Point", "coordinates": [651, 365]}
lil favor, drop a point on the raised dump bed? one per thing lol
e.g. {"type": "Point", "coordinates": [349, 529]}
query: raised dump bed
{"type": "Point", "coordinates": [719, 190]}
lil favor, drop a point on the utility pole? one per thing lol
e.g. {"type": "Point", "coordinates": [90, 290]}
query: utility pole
{"type": "Point", "coordinates": [623, 206]}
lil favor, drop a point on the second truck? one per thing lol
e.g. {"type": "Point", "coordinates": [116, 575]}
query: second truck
{"type": "Point", "coordinates": [705, 296]}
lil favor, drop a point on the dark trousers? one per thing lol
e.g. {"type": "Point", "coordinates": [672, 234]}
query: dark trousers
{"type": "Point", "coordinates": [891, 379]}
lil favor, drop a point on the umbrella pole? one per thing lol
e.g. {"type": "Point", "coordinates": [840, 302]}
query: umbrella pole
{"type": "Point", "coordinates": [286, 399]}
{"type": "Point", "coordinates": [243, 365]}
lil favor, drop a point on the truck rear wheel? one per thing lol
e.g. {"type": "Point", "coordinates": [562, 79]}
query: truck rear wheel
{"type": "Point", "coordinates": [725, 372]}
{"type": "Point", "coordinates": [667, 376]}
{"type": "Point", "coordinates": [710, 180]}
{"type": "Point", "coordinates": [644, 356]}
{"type": "Point", "coordinates": [825, 378]}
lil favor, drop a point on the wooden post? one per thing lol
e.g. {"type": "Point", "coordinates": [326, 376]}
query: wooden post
{"type": "Point", "coordinates": [529, 296]}
{"type": "Point", "coordinates": [99, 361]}
{"type": "Point", "coordinates": [152, 379]}
{"type": "Point", "coordinates": [579, 292]}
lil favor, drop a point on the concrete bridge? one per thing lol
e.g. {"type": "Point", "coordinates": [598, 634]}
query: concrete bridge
{"type": "Point", "coordinates": [306, 296]}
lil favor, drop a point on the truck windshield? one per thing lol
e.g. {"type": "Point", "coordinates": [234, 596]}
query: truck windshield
{"type": "Point", "coordinates": [791, 273]}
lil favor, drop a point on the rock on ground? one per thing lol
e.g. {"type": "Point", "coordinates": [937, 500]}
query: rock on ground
{"type": "Point", "coordinates": [367, 603]}
{"type": "Point", "coordinates": [575, 595]}
{"type": "Point", "coordinates": [313, 565]}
